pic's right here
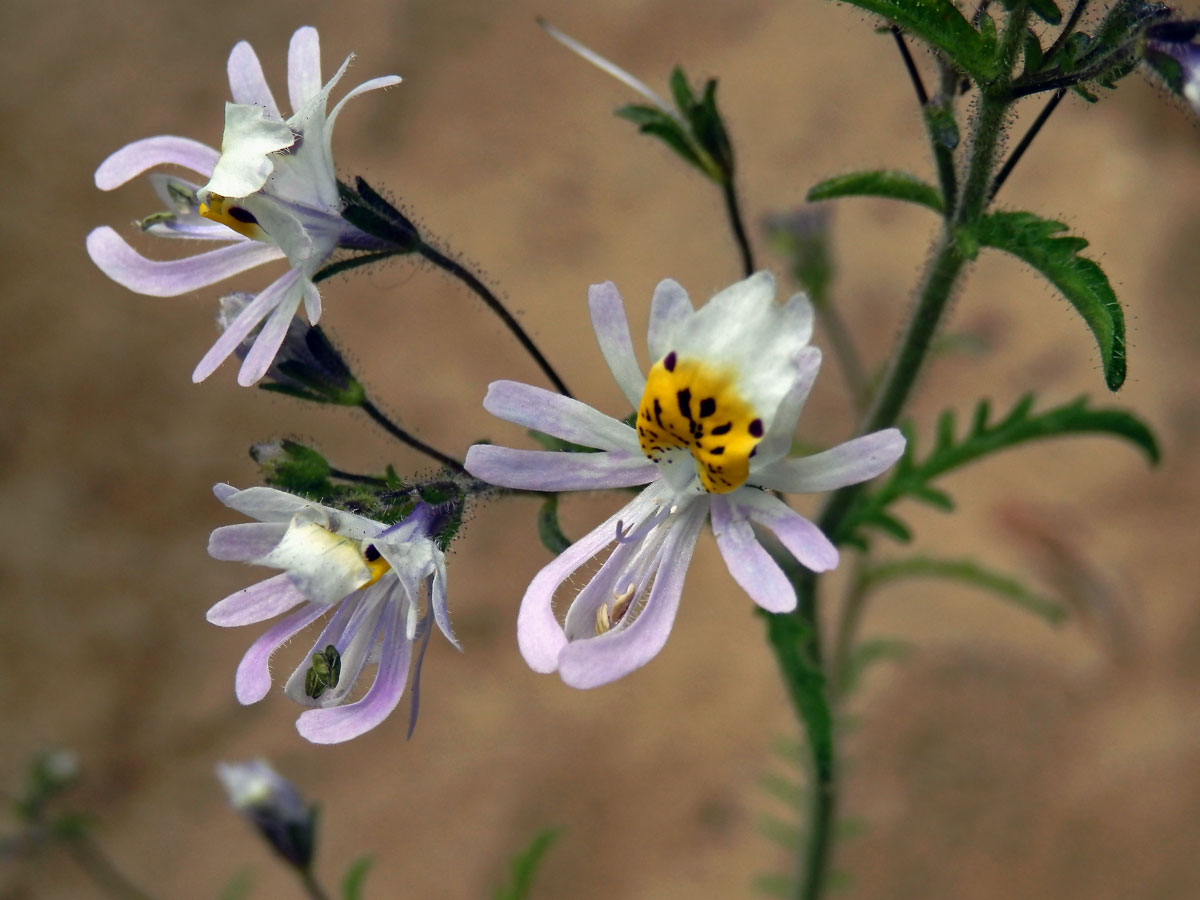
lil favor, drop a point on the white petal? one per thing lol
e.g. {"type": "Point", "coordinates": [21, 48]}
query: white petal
{"type": "Point", "coordinates": [374, 84]}
{"type": "Point", "coordinates": [612, 333]}
{"type": "Point", "coordinates": [749, 564]}
{"type": "Point", "coordinates": [249, 137]}
{"type": "Point", "coordinates": [850, 463]}
{"type": "Point", "coordinates": [326, 567]}
{"type": "Point", "coordinates": [778, 441]}
{"type": "Point", "coordinates": [247, 84]}
{"type": "Point", "coordinates": [668, 308]}
{"type": "Point", "coordinates": [304, 66]}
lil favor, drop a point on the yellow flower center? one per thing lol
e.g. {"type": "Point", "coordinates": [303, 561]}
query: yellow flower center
{"type": "Point", "coordinates": [688, 404]}
{"type": "Point", "coordinates": [226, 212]}
{"type": "Point", "coordinates": [376, 565]}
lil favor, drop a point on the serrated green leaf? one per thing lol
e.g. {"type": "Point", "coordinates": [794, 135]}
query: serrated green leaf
{"type": "Point", "coordinates": [356, 875]}
{"type": "Point", "coordinates": [786, 834]}
{"type": "Point", "coordinates": [1040, 243]}
{"type": "Point", "coordinates": [549, 531]}
{"type": "Point", "coordinates": [892, 184]}
{"type": "Point", "coordinates": [987, 29]}
{"type": "Point", "coordinates": [911, 476]}
{"type": "Point", "coordinates": [640, 114]}
{"type": "Point", "coordinates": [1046, 10]}
{"type": "Point", "coordinates": [934, 497]}
{"type": "Point", "coordinates": [940, 23]}
{"type": "Point", "coordinates": [969, 572]}
{"type": "Point", "coordinates": [524, 866]}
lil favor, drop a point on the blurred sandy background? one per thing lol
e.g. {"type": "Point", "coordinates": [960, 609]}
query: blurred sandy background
{"type": "Point", "coordinates": [1003, 759]}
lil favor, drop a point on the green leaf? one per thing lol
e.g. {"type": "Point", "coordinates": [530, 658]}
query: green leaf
{"type": "Point", "coordinates": [1033, 53]}
{"type": "Point", "coordinates": [524, 866]}
{"type": "Point", "coordinates": [1046, 10]}
{"type": "Point", "coordinates": [911, 476]}
{"type": "Point", "coordinates": [786, 834]}
{"type": "Point", "coordinates": [939, 23]}
{"type": "Point", "coordinates": [653, 121]}
{"type": "Point", "coordinates": [1039, 243]}
{"type": "Point", "coordinates": [805, 679]}
{"type": "Point", "coordinates": [549, 531]}
{"type": "Point", "coordinates": [866, 654]}
{"type": "Point", "coordinates": [356, 874]}
{"type": "Point", "coordinates": [880, 183]}
{"type": "Point", "coordinates": [969, 572]}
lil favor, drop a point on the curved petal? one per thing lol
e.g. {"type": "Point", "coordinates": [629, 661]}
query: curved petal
{"type": "Point", "coordinates": [240, 328]}
{"type": "Point", "coordinates": [257, 603]}
{"type": "Point", "coordinates": [269, 340]}
{"type": "Point", "coordinates": [245, 542]}
{"type": "Point", "coordinates": [612, 334]}
{"type": "Point", "coordinates": [435, 584]}
{"type": "Point", "coordinates": [539, 636]}
{"type": "Point", "coordinates": [134, 159]}
{"type": "Point", "coordinates": [263, 503]}
{"type": "Point", "coordinates": [850, 463]}
{"type": "Point", "coordinates": [558, 416]}
{"type": "Point", "coordinates": [749, 564]}
{"type": "Point", "coordinates": [253, 679]}
{"type": "Point", "coordinates": [669, 306]}
{"type": "Point", "coordinates": [247, 84]}
{"type": "Point", "coordinates": [170, 278]}
{"type": "Point", "coordinates": [304, 67]}
{"type": "Point", "coordinates": [312, 302]}
{"type": "Point", "coordinates": [778, 442]}
{"type": "Point", "coordinates": [384, 81]}
{"type": "Point", "coordinates": [591, 663]}
{"type": "Point", "coordinates": [802, 538]}
{"type": "Point", "coordinates": [551, 470]}
{"type": "Point", "coordinates": [341, 723]}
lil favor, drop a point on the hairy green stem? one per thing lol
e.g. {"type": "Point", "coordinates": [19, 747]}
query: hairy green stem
{"type": "Point", "coordinates": [796, 637]}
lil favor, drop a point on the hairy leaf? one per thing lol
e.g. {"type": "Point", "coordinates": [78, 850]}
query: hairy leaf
{"type": "Point", "coordinates": [880, 183]}
{"type": "Point", "coordinates": [911, 476]}
{"type": "Point", "coordinates": [524, 866]}
{"type": "Point", "coordinates": [967, 571]}
{"type": "Point", "coordinates": [1039, 242]}
{"type": "Point", "coordinates": [939, 23]}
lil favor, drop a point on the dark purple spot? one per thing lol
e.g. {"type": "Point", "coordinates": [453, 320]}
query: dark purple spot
{"type": "Point", "coordinates": [752, 452]}
{"type": "Point", "coordinates": [242, 215]}
{"type": "Point", "coordinates": [684, 399]}
{"type": "Point", "coordinates": [669, 361]}
{"type": "Point", "coordinates": [716, 451]}
{"type": "Point", "coordinates": [756, 428]}
{"type": "Point", "coordinates": [708, 406]}
{"type": "Point", "coordinates": [371, 553]}
{"type": "Point", "coordinates": [722, 429]}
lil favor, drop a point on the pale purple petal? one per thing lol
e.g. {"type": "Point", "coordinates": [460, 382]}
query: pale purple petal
{"type": "Point", "coordinates": [435, 584]}
{"type": "Point", "coordinates": [267, 344]}
{"type": "Point", "coordinates": [802, 538]}
{"type": "Point", "coordinates": [539, 635]}
{"type": "Point", "coordinates": [612, 334]}
{"type": "Point", "coordinates": [257, 603]}
{"type": "Point", "coordinates": [189, 231]}
{"type": "Point", "coordinates": [169, 278]}
{"type": "Point", "coordinates": [778, 442]}
{"type": "Point", "coordinates": [600, 660]}
{"type": "Point", "coordinates": [749, 564]}
{"type": "Point", "coordinates": [224, 491]}
{"type": "Point", "coordinates": [304, 67]}
{"type": "Point", "coordinates": [669, 306]}
{"type": "Point", "coordinates": [559, 416]}
{"type": "Point", "coordinates": [134, 159]}
{"type": "Point", "coordinates": [245, 542]}
{"type": "Point", "coordinates": [850, 463]}
{"type": "Point", "coordinates": [253, 679]}
{"type": "Point", "coordinates": [354, 629]}
{"type": "Point", "coordinates": [247, 320]}
{"type": "Point", "coordinates": [551, 470]}
{"type": "Point", "coordinates": [341, 723]}
{"type": "Point", "coordinates": [374, 84]}
{"type": "Point", "coordinates": [312, 302]}
{"type": "Point", "coordinates": [262, 503]}
{"type": "Point", "coordinates": [247, 84]}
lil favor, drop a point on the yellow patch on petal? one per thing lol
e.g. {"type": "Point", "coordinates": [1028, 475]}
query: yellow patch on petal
{"type": "Point", "coordinates": [690, 404]}
{"type": "Point", "coordinates": [376, 564]}
{"type": "Point", "coordinates": [226, 212]}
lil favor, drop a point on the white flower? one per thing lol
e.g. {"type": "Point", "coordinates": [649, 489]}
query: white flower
{"type": "Point", "coordinates": [371, 576]}
{"type": "Point", "coordinates": [715, 419]}
{"type": "Point", "coordinates": [271, 192]}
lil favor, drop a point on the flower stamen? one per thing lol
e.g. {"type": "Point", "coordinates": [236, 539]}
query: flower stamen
{"type": "Point", "coordinates": [219, 209]}
{"type": "Point", "coordinates": [606, 618]}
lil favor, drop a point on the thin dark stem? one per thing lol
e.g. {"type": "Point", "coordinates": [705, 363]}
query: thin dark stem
{"type": "Point", "coordinates": [911, 66]}
{"type": "Point", "coordinates": [493, 303]}
{"type": "Point", "coordinates": [400, 434]}
{"type": "Point", "coordinates": [357, 479]}
{"type": "Point", "coordinates": [1067, 29]}
{"type": "Point", "coordinates": [311, 886]}
{"type": "Point", "coordinates": [353, 262]}
{"type": "Point", "coordinates": [1019, 151]}
{"type": "Point", "coordinates": [102, 870]}
{"type": "Point", "coordinates": [735, 222]}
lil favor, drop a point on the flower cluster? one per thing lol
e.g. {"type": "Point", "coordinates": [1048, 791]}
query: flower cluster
{"type": "Point", "coordinates": [271, 193]}
{"type": "Point", "coordinates": [714, 426]}
{"type": "Point", "coordinates": [372, 576]}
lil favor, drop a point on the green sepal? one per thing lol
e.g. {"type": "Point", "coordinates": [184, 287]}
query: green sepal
{"type": "Point", "coordinates": [1033, 53]}
{"type": "Point", "coordinates": [967, 571]}
{"type": "Point", "coordinates": [890, 183]}
{"type": "Point", "coordinates": [367, 210]}
{"type": "Point", "coordinates": [940, 23]}
{"type": "Point", "coordinates": [549, 531]}
{"type": "Point", "coordinates": [1039, 243]}
{"type": "Point", "coordinates": [653, 121]}
{"type": "Point", "coordinates": [294, 467]}
{"type": "Point", "coordinates": [355, 877]}
{"type": "Point", "coordinates": [523, 866]}
{"type": "Point", "coordinates": [1046, 10]}
{"type": "Point", "coordinates": [911, 476]}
